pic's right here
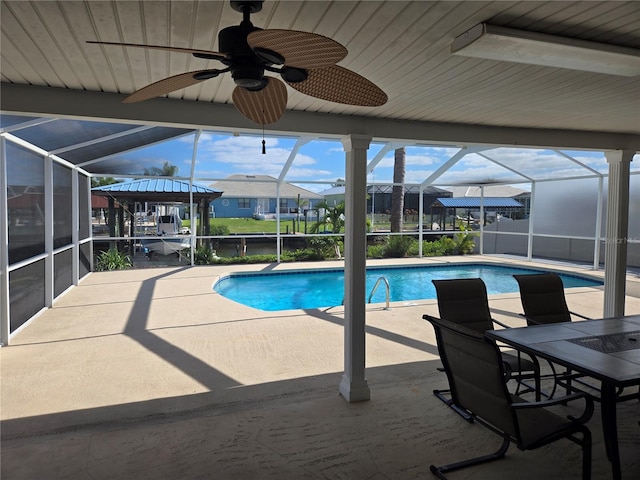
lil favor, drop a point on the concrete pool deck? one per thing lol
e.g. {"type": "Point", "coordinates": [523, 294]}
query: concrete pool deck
{"type": "Point", "coordinates": [150, 374]}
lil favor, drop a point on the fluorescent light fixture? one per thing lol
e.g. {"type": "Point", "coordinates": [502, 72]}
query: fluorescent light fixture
{"type": "Point", "coordinates": [511, 45]}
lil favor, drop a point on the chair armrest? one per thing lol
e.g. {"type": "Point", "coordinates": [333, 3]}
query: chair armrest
{"type": "Point", "coordinates": [578, 315]}
{"type": "Point", "coordinates": [529, 320]}
{"type": "Point", "coordinates": [586, 415]}
{"type": "Point", "coordinates": [497, 322]}
{"type": "Point", "coordinates": [550, 402]}
{"type": "Point", "coordinates": [533, 321]}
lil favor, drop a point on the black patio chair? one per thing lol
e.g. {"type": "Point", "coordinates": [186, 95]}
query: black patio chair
{"type": "Point", "coordinates": [543, 301]}
{"type": "Point", "coordinates": [475, 370]}
{"type": "Point", "coordinates": [464, 301]}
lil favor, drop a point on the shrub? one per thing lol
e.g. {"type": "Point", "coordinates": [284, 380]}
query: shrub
{"type": "Point", "coordinates": [398, 246]}
{"type": "Point", "coordinates": [414, 249]}
{"type": "Point", "coordinates": [376, 251]}
{"type": "Point", "coordinates": [204, 255]}
{"type": "Point", "coordinates": [246, 260]}
{"type": "Point", "coordinates": [377, 239]}
{"type": "Point", "coordinates": [219, 230]}
{"type": "Point", "coordinates": [464, 241]}
{"type": "Point", "coordinates": [324, 247]}
{"type": "Point", "coordinates": [437, 248]}
{"type": "Point", "coordinates": [112, 259]}
{"type": "Point", "coordinates": [307, 255]}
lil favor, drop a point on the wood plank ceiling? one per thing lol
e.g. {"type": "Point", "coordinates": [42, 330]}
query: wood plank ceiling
{"type": "Point", "coordinates": [403, 47]}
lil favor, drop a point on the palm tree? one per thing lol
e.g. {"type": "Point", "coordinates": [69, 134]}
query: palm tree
{"type": "Point", "coordinates": [167, 170]}
{"type": "Point", "coordinates": [465, 240]}
{"type": "Point", "coordinates": [333, 217]}
{"type": "Point", "coordinates": [100, 181]}
{"type": "Point", "coordinates": [397, 194]}
{"type": "Point", "coordinates": [301, 203]}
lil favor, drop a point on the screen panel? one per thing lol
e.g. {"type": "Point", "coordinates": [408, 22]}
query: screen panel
{"type": "Point", "coordinates": [26, 203]}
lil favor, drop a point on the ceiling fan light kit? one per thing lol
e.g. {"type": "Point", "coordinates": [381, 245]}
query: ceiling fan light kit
{"type": "Point", "coordinates": [305, 61]}
{"type": "Point", "coordinates": [508, 44]}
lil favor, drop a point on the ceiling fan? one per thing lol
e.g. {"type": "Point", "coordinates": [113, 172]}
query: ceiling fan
{"type": "Point", "coordinates": [305, 61]}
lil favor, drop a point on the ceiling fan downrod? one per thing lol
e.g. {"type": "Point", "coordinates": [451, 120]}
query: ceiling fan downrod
{"type": "Point", "coordinates": [246, 68]}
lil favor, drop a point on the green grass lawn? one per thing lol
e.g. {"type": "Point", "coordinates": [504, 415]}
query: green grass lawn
{"type": "Point", "coordinates": [251, 225]}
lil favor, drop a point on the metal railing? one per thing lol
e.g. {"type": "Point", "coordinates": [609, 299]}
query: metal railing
{"type": "Point", "coordinates": [387, 288]}
{"type": "Point", "coordinates": [373, 290]}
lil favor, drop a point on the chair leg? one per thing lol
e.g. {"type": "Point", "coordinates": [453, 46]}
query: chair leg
{"type": "Point", "coordinates": [497, 455]}
{"type": "Point", "coordinates": [585, 443]}
{"type": "Point", "coordinates": [536, 379]}
{"type": "Point", "coordinates": [520, 382]}
{"type": "Point", "coordinates": [586, 455]}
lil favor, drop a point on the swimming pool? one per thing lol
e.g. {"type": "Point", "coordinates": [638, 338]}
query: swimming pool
{"type": "Point", "coordinates": [321, 288]}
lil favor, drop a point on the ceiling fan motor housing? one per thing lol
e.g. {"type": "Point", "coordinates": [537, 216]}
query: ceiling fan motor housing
{"type": "Point", "coordinates": [247, 69]}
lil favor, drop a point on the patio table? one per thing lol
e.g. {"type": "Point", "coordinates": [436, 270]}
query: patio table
{"type": "Point", "coordinates": [605, 349]}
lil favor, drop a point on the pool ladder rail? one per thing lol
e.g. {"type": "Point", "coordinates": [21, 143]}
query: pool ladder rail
{"type": "Point", "coordinates": [387, 289]}
{"type": "Point", "coordinates": [373, 290]}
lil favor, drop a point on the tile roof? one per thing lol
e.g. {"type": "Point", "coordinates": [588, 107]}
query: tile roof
{"type": "Point", "coordinates": [260, 186]}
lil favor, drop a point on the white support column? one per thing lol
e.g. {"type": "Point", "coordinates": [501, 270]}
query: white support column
{"type": "Point", "coordinates": [353, 386]}
{"type": "Point", "coordinates": [420, 222]}
{"type": "Point", "coordinates": [598, 233]}
{"type": "Point", "coordinates": [530, 233]}
{"type": "Point", "coordinates": [49, 273]}
{"type": "Point", "coordinates": [4, 247]}
{"type": "Point", "coordinates": [482, 220]}
{"type": "Point", "coordinates": [193, 219]}
{"type": "Point", "coordinates": [615, 263]}
{"type": "Point", "coordinates": [91, 264]}
{"type": "Point", "coordinates": [278, 237]}
{"type": "Point", "coordinates": [75, 228]}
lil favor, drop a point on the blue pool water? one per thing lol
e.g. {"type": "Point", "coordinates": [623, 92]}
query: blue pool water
{"type": "Point", "coordinates": [325, 288]}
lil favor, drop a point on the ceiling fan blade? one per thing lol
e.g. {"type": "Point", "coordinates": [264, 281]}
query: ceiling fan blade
{"type": "Point", "coordinates": [170, 84]}
{"type": "Point", "coordinates": [199, 53]}
{"type": "Point", "coordinates": [299, 49]}
{"type": "Point", "coordinates": [263, 106]}
{"type": "Point", "coordinates": [341, 85]}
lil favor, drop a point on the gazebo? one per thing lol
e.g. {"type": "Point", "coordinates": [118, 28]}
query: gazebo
{"type": "Point", "coordinates": [160, 190]}
{"type": "Point", "coordinates": [483, 204]}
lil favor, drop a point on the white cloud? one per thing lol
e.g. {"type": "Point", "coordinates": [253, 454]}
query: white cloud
{"type": "Point", "coordinates": [242, 155]}
{"type": "Point", "coordinates": [419, 156]}
{"type": "Point", "coordinates": [220, 155]}
{"type": "Point", "coordinates": [540, 164]}
{"type": "Point", "coordinates": [310, 174]}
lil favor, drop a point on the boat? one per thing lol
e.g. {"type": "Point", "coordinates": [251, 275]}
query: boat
{"type": "Point", "coordinates": [169, 238]}
{"type": "Point", "coordinates": [166, 246]}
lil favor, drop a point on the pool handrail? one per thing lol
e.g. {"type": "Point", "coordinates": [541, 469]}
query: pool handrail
{"type": "Point", "coordinates": [373, 290]}
{"type": "Point", "coordinates": [387, 287]}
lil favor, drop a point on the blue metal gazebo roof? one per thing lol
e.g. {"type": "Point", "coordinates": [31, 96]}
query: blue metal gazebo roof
{"type": "Point", "coordinates": [154, 185]}
{"type": "Point", "coordinates": [156, 189]}
{"type": "Point", "coordinates": [474, 202]}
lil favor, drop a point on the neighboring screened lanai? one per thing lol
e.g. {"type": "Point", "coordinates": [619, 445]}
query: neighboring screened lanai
{"type": "Point", "coordinates": [567, 138]}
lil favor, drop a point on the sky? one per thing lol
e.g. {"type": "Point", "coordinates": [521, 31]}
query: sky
{"type": "Point", "coordinates": [221, 154]}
